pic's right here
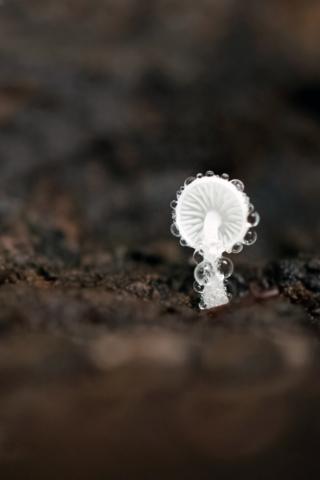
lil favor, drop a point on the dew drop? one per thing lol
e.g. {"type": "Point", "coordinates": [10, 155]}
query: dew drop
{"type": "Point", "coordinates": [183, 243]}
{"type": "Point", "coordinates": [238, 184]}
{"type": "Point", "coordinates": [198, 288]}
{"type": "Point", "coordinates": [189, 180]}
{"type": "Point", "coordinates": [198, 256]}
{"type": "Point", "coordinates": [230, 290]}
{"type": "Point", "coordinates": [254, 219]}
{"type": "Point", "coordinates": [237, 248]}
{"type": "Point", "coordinates": [174, 230]}
{"type": "Point", "coordinates": [203, 272]}
{"type": "Point", "coordinates": [225, 266]}
{"type": "Point", "coordinates": [225, 176]}
{"type": "Point", "coordinates": [230, 296]}
{"type": "Point", "coordinates": [173, 204]}
{"type": "Point", "coordinates": [202, 305]}
{"type": "Point", "coordinates": [199, 175]}
{"type": "Point", "coordinates": [251, 208]}
{"type": "Point", "coordinates": [209, 173]}
{"type": "Point", "coordinates": [250, 237]}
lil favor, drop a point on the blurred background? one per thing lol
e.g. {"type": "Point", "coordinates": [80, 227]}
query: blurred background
{"type": "Point", "coordinates": [106, 107]}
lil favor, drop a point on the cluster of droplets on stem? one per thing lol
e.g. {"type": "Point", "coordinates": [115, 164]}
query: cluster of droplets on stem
{"type": "Point", "coordinates": [213, 270]}
{"type": "Point", "coordinates": [211, 279]}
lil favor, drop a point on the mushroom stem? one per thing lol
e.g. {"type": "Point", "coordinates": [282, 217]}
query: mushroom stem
{"type": "Point", "coordinates": [214, 293]}
{"type": "Point", "coordinates": [211, 227]}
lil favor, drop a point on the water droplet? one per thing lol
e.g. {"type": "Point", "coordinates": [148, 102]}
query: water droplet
{"type": "Point", "coordinates": [189, 180]}
{"type": "Point", "coordinates": [198, 288]}
{"type": "Point", "coordinates": [173, 204]}
{"type": "Point", "coordinates": [238, 184]}
{"type": "Point", "coordinates": [225, 176]}
{"type": "Point", "coordinates": [173, 215]}
{"type": "Point", "coordinates": [254, 219]}
{"type": "Point", "coordinates": [202, 304]}
{"type": "Point", "coordinates": [199, 175]}
{"type": "Point", "coordinates": [230, 296]}
{"type": "Point", "coordinates": [198, 256]}
{"type": "Point", "coordinates": [251, 208]}
{"type": "Point", "coordinates": [203, 272]}
{"type": "Point", "coordinates": [225, 266]}
{"type": "Point", "coordinates": [250, 237]}
{"type": "Point", "coordinates": [174, 230]}
{"type": "Point", "coordinates": [209, 173]}
{"type": "Point", "coordinates": [237, 248]}
{"type": "Point", "coordinates": [183, 243]}
{"type": "Point", "coordinates": [230, 290]}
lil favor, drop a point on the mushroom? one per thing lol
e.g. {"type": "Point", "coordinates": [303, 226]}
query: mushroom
{"type": "Point", "coordinates": [213, 215]}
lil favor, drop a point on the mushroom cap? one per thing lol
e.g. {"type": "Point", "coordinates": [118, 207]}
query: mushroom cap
{"type": "Point", "coordinates": [217, 198]}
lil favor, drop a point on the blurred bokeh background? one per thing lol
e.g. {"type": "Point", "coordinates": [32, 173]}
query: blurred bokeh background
{"type": "Point", "coordinates": [110, 105]}
{"type": "Point", "coordinates": [107, 369]}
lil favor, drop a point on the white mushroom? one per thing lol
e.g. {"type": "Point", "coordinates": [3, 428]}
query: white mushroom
{"type": "Point", "coordinates": [213, 215]}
